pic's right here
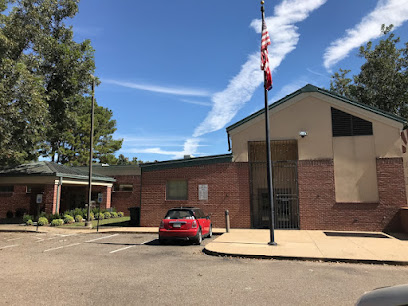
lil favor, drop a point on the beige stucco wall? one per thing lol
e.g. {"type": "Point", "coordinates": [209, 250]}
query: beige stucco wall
{"type": "Point", "coordinates": [355, 175]}
{"type": "Point", "coordinates": [354, 157]}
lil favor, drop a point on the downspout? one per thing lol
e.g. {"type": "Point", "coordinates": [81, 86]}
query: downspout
{"type": "Point", "coordinates": [229, 142]}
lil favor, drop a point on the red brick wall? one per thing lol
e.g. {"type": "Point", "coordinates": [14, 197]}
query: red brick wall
{"type": "Point", "coordinates": [319, 210]}
{"type": "Point", "coordinates": [228, 188]}
{"type": "Point", "coordinates": [14, 200]}
{"type": "Point", "coordinates": [122, 200]}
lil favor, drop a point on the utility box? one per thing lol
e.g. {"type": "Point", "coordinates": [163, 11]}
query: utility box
{"type": "Point", "coordinates": [134, 216]}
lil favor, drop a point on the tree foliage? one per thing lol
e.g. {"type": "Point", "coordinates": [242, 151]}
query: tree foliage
{"type": "Point", "coordinates": [383, 78]}
{"type": "Point", "coordinates": [45, 86]}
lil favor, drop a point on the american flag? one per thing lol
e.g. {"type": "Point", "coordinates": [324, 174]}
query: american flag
{"type": "Point", "coordinates": [264, 56]}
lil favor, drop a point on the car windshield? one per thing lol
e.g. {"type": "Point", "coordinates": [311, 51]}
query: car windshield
{"type": "Point", "coordinates": [179, 214]}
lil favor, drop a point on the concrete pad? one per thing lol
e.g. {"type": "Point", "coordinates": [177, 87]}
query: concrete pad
{"type": "Point", "coordinates": [312, 245]}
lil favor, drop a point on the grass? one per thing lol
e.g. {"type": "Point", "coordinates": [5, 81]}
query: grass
{"type": "Point", "coordinates": [123, 221]}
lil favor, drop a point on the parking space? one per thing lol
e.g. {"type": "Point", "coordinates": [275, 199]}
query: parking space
{"type": "Point", "coordinates": [97, 244]}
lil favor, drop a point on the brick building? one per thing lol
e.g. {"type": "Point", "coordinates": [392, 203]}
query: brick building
{"type": "Point", "coordinates": [337, 164]}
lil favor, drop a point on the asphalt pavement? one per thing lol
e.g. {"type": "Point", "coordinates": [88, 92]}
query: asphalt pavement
{"type": "Point", "coordinates": [133, 269]}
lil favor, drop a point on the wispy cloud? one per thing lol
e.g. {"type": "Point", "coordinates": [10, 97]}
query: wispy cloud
{"type": "Point", "coordinates": [386, 12]}
{"type": "Point", "coordinates": [196, 102]}
{"type": "Point", "coordinates": [179, 91]}
{"type": "Point", "coordinates": [284, 38]}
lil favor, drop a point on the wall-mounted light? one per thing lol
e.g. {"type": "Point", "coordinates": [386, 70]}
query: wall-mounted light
{"type": "Point", "coordinates": [302, 134]}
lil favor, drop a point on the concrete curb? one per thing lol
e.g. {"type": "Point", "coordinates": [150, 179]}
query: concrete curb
{"type": "Point", "coordinates": [20, 231]}
{"type": "Point", "coordinates": [277, 257]}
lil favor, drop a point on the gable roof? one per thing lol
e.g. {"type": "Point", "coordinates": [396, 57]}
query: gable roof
{"type": "Point", "coordinates": [46, 168]}
{"type": "Point", "coordinates": [312, 88]}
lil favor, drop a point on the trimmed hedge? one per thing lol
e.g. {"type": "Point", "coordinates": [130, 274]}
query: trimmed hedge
{"type": "Point", "coordinates": [107, 215]}
{"type": "Point", "coordinates": [68, 219]}
{"type": "Point", "coordinates": [114, 214]}
{"type": "Point", "coordinates": [78, 218]}
{"type": "Point", "coordinates": [42, 221]}
{"type": "Point", "coordinates": [29, 222]}
{"type": "Point", "coordinates": [99, 216]}
{"type": "Point", "coordinates": [26, 218]}
{"type": "Point", "coordinates": [57, 222]}
{"type": "Point", "coordinates": [121, 214]}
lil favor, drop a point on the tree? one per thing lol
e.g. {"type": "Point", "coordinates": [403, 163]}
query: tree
{"type": "Point", "coordinates": [46, 77]}
{"type": "Point", "coordinates": [383, 78]}
{"type": "Point", "coordinates": [22, 105]}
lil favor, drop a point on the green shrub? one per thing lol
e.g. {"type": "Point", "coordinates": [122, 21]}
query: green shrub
{"type": "Point", "coordinates": [29, 222]}
{"type": "Point", "coordinates": [121, 214]}
{"type": "Point", "coordinates": [42, 221]}
{"type": "Point", "coordinates": [57, 222]}
{"type": "Point", "coordinates": [68, 219]}
{"type": "Point", "coordinates": [43, 214]}
{"type": "Point", "coordinates": [99, 216]}
{"type": "Point", "coordinates": [114, 214]}
{"type": "Point", "coordinates": [107, 215]}
{"type": "Point", "coordinates": [95, 211]}
{"type": "Point", "coordinates": [51, 217]}
{"type": "Point", "coordinates": [26, 218]}
{"type": "Point", "coordinates": [78, 218]}
{"type": "Point", "coordinates": [78, 212]}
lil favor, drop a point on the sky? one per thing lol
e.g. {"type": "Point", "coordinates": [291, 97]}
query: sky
{"type": "Point", "coordinates": [177, 73]}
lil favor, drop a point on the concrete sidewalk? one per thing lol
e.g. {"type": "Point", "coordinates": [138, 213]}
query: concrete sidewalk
{"type": "Point", "coordinates": [313, 245]}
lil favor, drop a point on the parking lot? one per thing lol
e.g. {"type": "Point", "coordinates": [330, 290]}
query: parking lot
{"type": "Point", "coordinates": [133, 269]}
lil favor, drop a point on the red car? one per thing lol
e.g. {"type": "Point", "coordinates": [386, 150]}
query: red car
{"type": "Point", "coordinates": [186, 223]}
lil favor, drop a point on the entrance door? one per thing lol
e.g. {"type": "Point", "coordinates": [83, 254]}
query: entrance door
{"type": "Point", "coordinates": [285, 189]}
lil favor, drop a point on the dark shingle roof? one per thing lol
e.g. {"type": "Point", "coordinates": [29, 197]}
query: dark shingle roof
{"type": "Point", "coordinates": [312, 88]}
{"type": "Point", "coordinates": [187, 162]}
{"type": "Point", "coordinates": [46, 168]}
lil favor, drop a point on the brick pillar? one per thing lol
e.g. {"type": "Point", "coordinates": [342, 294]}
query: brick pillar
{"type": "Point", "coordinates": [108, 197]}
{"type": "Point", "coordinates": [50, 198]}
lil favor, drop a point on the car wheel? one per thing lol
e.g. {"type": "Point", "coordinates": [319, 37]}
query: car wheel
{"type": "Point", "coordinates": [210, 232]}
{"type": "Point", "coordinates": [199, 238]}
{"type": "Point", "coordinates": [162, 241]}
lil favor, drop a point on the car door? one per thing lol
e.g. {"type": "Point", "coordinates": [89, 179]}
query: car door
{"type": "Point", "coordinates": [203, 221]}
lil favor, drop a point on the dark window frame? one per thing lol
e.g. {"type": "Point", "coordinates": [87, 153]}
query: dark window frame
{"type": "Point", "coordinates": [6, 188]}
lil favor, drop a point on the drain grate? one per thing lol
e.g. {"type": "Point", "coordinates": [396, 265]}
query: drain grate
{"type": "Point", "coordinates": [355, 234]}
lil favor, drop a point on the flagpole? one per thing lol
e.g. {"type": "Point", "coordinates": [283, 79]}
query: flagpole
{"type": "Point", "coordinates": [268, 157]}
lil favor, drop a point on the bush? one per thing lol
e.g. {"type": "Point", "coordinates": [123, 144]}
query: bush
{"type": "Point", "coordinates": [78, 218]}
{"type": "Point", "coordinates": [95, 211]}
{"type": "Point", "coordinates": [42, 221]}
{"type": "Point", "coordinates": [43, 214]}
{"type": "Point", "coordinates": [107, 215]}
{"type": "Point", "coordinates": [121, 214]}
{"type": "Point", "coordinates": [29, 222]}
{"type": "Point", "coordinates": [92, 216]}
{"type": "Point", "coordinates": [77, 212]}
{"type": "Point", "coordinates": [114, 214]}
{"type": "Point", "coordinates": [69, 213]}
{"type": "Point", "coordinates": [51, 217]}
{"type": "Point", "coordinates": [9, 214]}
{"type": "Point", "coordinates": [99, 216]}
{"type": "Point", "coordinates": [68, 219]}
{"type": "Point", "coordinates": [26, 218]}
{"type": "Point", "coordinates": [57, 222]}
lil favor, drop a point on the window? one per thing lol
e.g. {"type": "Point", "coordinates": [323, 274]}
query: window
{"type": "Point", "coordinates": [6, 188]}
{"type": "Point", "coordinates": [344, 124]}
{"type": "Point", "coordinates": [123, 187]}
{"type": "Point", "coordinates": [176, 190]}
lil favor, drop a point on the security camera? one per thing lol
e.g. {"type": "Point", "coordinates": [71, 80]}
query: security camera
{"type": "Point", "coordinates": [302, 134]}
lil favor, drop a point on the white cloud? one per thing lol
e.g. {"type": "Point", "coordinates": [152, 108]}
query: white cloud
{"type": "Point", "coordinates": [160, 89]}
{"type": "Point", "coordinates": [284, 38]}
{"type": "Point", "coordinates": [386, 12]}
{"type": "Point", "coordinates": [196, 102]}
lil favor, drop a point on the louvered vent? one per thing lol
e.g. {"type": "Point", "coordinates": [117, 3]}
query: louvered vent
{"type": "Point", "coordinates": [344, 124]}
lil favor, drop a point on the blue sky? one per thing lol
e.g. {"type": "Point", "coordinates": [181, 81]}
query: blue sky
{"type": "Point", "coordinates": [176, 73]}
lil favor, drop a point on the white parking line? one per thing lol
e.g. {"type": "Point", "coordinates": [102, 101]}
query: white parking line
{"type": "Point", "coordinates": [63, 246]}
{"type": "Point", "coordinates": [102, 238]}
{"type": "Point", "coordinates": [118, 250]}
{"type": "Point", "coordinates": [15, 239]}
{"type": "Point", "coordinates": [8, 246]}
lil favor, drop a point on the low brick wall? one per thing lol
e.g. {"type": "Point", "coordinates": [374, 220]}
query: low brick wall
{"type": "Point", "coordinates": [228, 188]}
{"type": "Point", "coordinates": [319, 209]}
